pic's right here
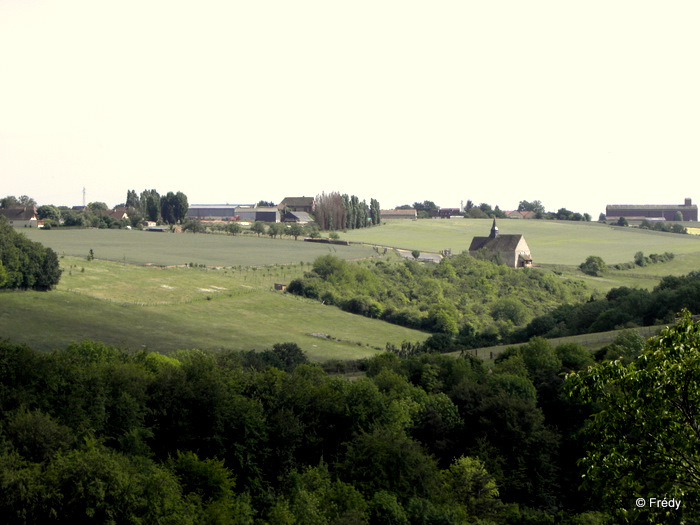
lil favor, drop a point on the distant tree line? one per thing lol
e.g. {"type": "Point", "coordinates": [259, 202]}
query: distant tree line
{"type": "Point", "coordinates": [10, 201]}
{"type": "Point", "coordinates": [149, 205]}
{"type": "Point", "coordinates": [25, 264]}
{"type": "Point", "coordinates": [334, 211]}
{"type": "Point", "coordinates": [484, 210]}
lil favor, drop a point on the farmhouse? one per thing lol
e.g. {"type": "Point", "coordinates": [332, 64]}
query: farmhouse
{"type": "Point", "coordinates": [21, 217]}
{"type": "Point", "coordinates": [305, 204]}
{"type": "Point", "coordinates": [662, 212]}
{"type": "Point", "coordinates": [515, 214]}
{"type": "Point", "coordinates": [398, 214]}
{"type": "Point", "coordinates": [511, 248]}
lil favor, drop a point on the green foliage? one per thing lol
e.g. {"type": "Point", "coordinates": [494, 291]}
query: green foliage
{"type": "Point", "coordinates": [642, 439]}
{"type": "Point", "coordinates": [593, 265]}
{"type": "Point", "coordinates": [438, 298]}
{"type": "Point", "coordinates": [258, 227]}
{"type": "Point", "coordinates": [25, 264]}
{"type": "Point", "coordinates": [194, 226]}
{"type": "Point", "coordinates": [621, 308]}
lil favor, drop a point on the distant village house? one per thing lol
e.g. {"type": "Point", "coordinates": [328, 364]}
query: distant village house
{"type": "Point", "coordinates": [21, 217]}
{"type": "Point", "coordinates": [304, 204]}
{"type": "Point", "coordinates": [398, 214]}
{"type": "Point", "coordinates": [512, 248]}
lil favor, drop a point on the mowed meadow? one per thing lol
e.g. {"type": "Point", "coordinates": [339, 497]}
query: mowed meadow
{"type": "Point", "coordinates": [148, 295]}
{"type": "Point", "coordinates": [168, 291]}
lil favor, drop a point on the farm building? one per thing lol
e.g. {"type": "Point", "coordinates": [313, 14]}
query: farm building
{"type": "Point", "coordinates": [212, 212]}
{"type": "Point", "coordinates": [662, 212]}
{"type": "Point", "coordinates": [297, 216]}
{"type": "Point", "coordinates": [511, 248]}
{"type": "Point", "coordinates": [398, 214]}
{"type": "Point", "coordinates": [520, 214]}
{"type": "Point", "coordinates": [305, 204]}
{"type": "Point", "coordinates": [255, 213]}
{"type": "Point", "coordinates": [445, 213]}
{"type": "Point", "coordinates": [233, 212]}
{"type": "Point", "coordinates": [21, 217]}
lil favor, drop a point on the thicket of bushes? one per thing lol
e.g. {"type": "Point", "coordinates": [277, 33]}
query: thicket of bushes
{"type": "Point", "coordinates": [460, 295]}
{"type": "Point", "coordinates": [621, 307]}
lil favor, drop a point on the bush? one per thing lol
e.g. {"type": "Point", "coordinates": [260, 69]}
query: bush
{"type": "Point", "coordinates": [593, 265]}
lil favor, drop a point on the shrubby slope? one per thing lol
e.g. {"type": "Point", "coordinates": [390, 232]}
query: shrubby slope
{"type": "Point", "coordinates": [461, 293]}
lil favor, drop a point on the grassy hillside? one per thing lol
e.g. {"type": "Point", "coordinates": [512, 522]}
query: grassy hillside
{"type": "Point", "coordinates": [173, 308]}
{"type": "Point", "coordinates": [556, 245]}
{"type": "Point", "coordinates": [139, 247]}
{"type": "Point", "coordinates": [551, 242]}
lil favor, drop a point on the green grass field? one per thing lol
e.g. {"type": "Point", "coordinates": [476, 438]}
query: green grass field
{"type": "Point", "coordinates": [555, 245]}
{"type": "Point", "coordinates": [166, 309]}
{"type": "Point", "coordinates": [551, 242]}
{"type": "Point", "coordinates": [139, 247]}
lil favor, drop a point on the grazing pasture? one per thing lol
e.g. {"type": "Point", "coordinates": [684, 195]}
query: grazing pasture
{"type": "Point", "coordinates": [166, 309]}
{"type": "Point", "coordinates": [167, 249]}
{"type": "Point", "coordinates": [551, 242]}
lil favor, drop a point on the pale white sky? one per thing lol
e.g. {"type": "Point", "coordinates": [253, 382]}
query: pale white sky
{"type": "Point", "coordinates": [577, 104]}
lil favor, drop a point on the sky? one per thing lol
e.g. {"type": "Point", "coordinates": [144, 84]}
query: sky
{"type": "Point", "coordinates": [575, 104]}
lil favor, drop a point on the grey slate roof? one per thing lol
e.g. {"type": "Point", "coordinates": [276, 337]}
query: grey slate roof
{"type": "Point", "coordinates": [500, 243]}
{"type": "Point", "coordinates": [18, 214]}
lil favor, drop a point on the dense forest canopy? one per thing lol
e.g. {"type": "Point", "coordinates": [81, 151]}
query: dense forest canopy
{"type": "Point", "coordinates": [97, 434]}
{"type": "Point", "coordinates": [25, 264]}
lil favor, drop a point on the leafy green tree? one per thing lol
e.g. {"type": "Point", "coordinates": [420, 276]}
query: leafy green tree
{"type": "Point", "coordinates": [535, 206]}
{"type": "Point", "coordinates": [194, 226]}
{"type": "Point", "coordinates": [312, 230]}
{"type": "Point", "coordinates": [180, 206]}
{"type": "Point", "coordinates": [593, 265]}
{"type": "Point", "coordinates": [469, 483]}
{"type": "Point", "coordinates": [295, 230]}
{"type": "Point", "coordinates": [49, 212]}
{"type": "Point", "coordinates": [132, 199]}
{"type": "Point", "coordinates": [601, 217]}
{"type": "Point", "coordinates": [26, 201]}
{"type": "Point", "coordinates": [26, 264]}
{"type": "Point", "coordinates": [642, 439]}
{"type": "Point", "coordinates": [9, 202]}
{"type": "Point", "coordinates": [622, 222]}
{"type": "Point", "coordinates": [258, 227]}
{"type": "Point", "coordinates": [167, 208]}
{"type": "Point", "coordinates": [276, 229]}
{"type": "Point", "coordinates": [234, 228]}
{"type": "Point", "coordinates": [375, 212]}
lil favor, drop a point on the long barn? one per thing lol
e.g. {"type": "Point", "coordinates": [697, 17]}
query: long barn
{"type": "Point", "coordinates": [666, 212]}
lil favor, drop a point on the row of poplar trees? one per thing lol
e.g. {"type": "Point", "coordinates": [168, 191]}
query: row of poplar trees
{"type": "Point", "coordinates": [334, 211]}
{"type": "Point", "coordinates": [170, 208]}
